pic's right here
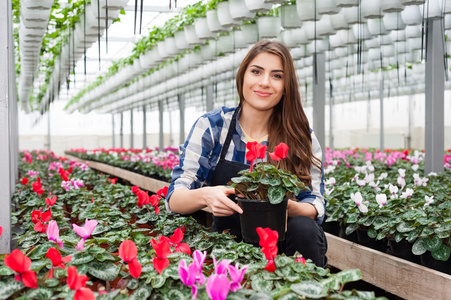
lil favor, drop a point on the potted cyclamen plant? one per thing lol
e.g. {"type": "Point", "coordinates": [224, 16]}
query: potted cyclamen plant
{"type": "Point", "coordinates": [263, 192]}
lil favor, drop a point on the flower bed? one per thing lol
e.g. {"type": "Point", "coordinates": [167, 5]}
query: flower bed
{"type": "Point", "coordinates": [84, 235]}
{"type": "Point", "coordinates": [382, 200]}
{"type": "Point", "coordinates": [148, 162]}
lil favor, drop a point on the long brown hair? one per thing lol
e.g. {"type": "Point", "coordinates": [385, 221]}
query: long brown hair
{"type": "Point", "coordinates": [288, 122]}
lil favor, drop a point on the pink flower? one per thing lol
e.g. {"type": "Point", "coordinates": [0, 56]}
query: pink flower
{"type": "Point", "coordinates": [80, 246]}
{"type": "Point", "coordinates": [218, 286]}
{"type": "Point", "coordinates": [86, 230]}
{"type": "Point", "coordinates": [53, 233]}
{"type": "Point", "coordinates": [236, 276]}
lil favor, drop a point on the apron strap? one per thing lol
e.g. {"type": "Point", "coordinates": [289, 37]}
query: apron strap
{"type": "Point", "coordinates": [232, 127]}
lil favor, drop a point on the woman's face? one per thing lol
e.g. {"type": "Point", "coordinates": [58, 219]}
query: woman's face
{"type": "Point", "coordinates": [263, 83]}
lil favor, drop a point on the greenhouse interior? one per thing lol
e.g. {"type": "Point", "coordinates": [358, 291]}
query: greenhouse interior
{"type": "Point", "coordinates": [225, 149]}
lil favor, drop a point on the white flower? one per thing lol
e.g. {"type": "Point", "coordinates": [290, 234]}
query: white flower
{"type": "Point", "coordinates": [328, 192]}
{"type": "Point", "coordinates": [329, 169]}
{"type": "Point", "coordinates": [402, 172]}
{"type": "Point", "coordinates": [335, 162]}
{"type": "Point", "coordinates": [357, 198]}
{"type": "Point", "coordinates": [401, 182]}
{"type": "Point", "coordinates": [381, 199]}
{"type": "Point", "coordinates": [330, 181]}
{"type": "Point", "coordinates": [360, 182]}
{"type": "Point", "coordinates": [369, 177]}
{"type": "Point", "coordinates": [429, 200]}
{"type": "Point", "coordinates": [382, 176]}
{"type": "Point", "coordinates": [432, 174]}
{"type": "Point", "coordinates": [374, 185]}
{"type": "Point", "coordinates": [415, 167]}
{"type": "Point", "coordinates": [363, 208]}
{"type": "Point", "coordinates": [371, 168]}
{"type": "Point", "coordinates": [407, 193]}
{"type": "Point", "coordinates": [393, 191]}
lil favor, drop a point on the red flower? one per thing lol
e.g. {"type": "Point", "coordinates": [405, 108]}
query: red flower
{"type": "Point", "coordinates": [24, 180]}
{"type": "Point", "coordinates": [256, 150]}
{"type": "Point", "coordinates": [162, 251]}
{"type": "Point", "coordinates": [50, 201]}
{"type": "Point", "coordinates": [1, 230]}
{"type": "Point", "coordinates": [143, 198]}
{"type": "Point", "coordinates": [112, 181]}
{"type": "Point", "coordinates": [280, 152]}
{"type": "Point", "coordinates": [175, 240]}
{"type": "Point", "coordinates": [271, 266]}
{"type": "Point", "coordinates": [64, 174]}
{"type": "Point", "coordinates": [300, 259]}
{"type": "Point", "coordinates": [163, 191]}
{"type": "Point", "coordinates": [128, 253]}
{"type": "Point", "coordinates": [268, 242]}
{"type": "Point", "coordinates": [37, 187]}
{"type": "Point", "coordinates": [135, 189]}
{"type": "Point", "coordinates": [57, 260]}
{"type": "Point", "coordinates": [39, 220]}
{"type": "Point", "coordinates": [20, 264]}
{"type": "Point", "coordinates": [78, 283]}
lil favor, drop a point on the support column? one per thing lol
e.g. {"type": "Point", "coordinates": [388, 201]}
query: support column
{"type": "Point", "coordinates": [409, 129]}
{"type": "Point", "coordinates": [181, 99]}
{"type": "Point", "coordinates": [160, 117]}
{"type": "Point", "coordinates": [171, 137]}
{"type": "Point", "coordinates": [319, 97]}
{"type": "Point", "coordinates": [48, 127]}
{"type": "Point", "coordinates": [121, 132]}
{"type": "Point", "coordinates": [210, 97]}
{"type": "Point", "coordinates": [435, 99]}
{"type": "Point", "coordinates": [331, 120]}
{"type": "Point", "coordinates": [131, 128]}
{"type": "Point", "coordinates": [7, 123]}
{"type": "Point", "coordinates": [381, 100]}
{"type": "Point", "coordinates": [112, 134]}
{"type": "Point", "coordinates": [144, 127]}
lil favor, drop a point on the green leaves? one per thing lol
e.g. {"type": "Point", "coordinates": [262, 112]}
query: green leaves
{"type": "Point", "coordinates": [103, 270]}
{"type": "Point", "coordinates": [310, 289]}
{"type": "Point", "coordinates": [275, 194]}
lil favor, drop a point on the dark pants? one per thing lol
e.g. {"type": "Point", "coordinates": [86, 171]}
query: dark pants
{"type": "Point", "coordinates": [307, 237]}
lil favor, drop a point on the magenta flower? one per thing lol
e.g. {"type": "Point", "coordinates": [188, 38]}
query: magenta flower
{"type": "Point", "coordinates": [218, 286]}
{"type": "Point", "coordinates": [192, 275]}
{"type": "Point", "coordinates": [80, 246]}
{"type": "Point", "coordinates": [236, 276]}
{"type": "Point", "coordinates": [53, 233]}
{"type": "Point", "coordinates": [221, 268]}
{"type": "Point", "coordinates": [86, 230]}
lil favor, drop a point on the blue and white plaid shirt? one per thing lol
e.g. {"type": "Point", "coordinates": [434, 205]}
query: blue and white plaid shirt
{"type": "Point", "coordinates": [200, 155]}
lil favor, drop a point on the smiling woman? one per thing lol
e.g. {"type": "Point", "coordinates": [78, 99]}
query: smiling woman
{"type": "Point", "coordinates": [270, 112]}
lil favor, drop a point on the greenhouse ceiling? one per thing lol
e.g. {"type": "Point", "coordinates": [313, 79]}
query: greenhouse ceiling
{"type": "Point", "coordinates": [185, 49]}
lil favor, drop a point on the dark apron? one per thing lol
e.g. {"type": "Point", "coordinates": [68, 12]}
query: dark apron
{"type": "Point", "coordinates": [224, 171]}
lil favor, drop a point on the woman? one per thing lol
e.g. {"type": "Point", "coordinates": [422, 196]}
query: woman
{"type": "Point", "coordinates": [270, 111]}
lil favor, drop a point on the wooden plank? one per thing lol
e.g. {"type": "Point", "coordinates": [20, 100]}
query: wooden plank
{"type": "Point", "coordinates": [395, 275]}
{"type": "Point", "coordinates": [142, 181]}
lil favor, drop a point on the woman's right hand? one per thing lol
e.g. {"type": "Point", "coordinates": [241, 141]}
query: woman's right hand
{"type": "Point", "coordinates": [216, 199]}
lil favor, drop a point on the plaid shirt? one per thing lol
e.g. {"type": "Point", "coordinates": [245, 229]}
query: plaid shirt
{"type": "Point", "coordinates": [200, 155]}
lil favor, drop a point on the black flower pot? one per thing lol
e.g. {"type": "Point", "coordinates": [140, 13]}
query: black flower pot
{"type": "Point", "coordinates": [365, 240]}
{"type": "Point", "coordinates": [403, 249]}
{"type": "Point", "coordinates": [261, 213]}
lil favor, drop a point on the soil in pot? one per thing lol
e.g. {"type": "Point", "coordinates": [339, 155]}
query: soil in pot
{"type": "Point", "coordinates": [403, 250]}
{"type": "Point", "coordinates": [261, 213]}
{"type": "Point", "coordinates": [364, 240]}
